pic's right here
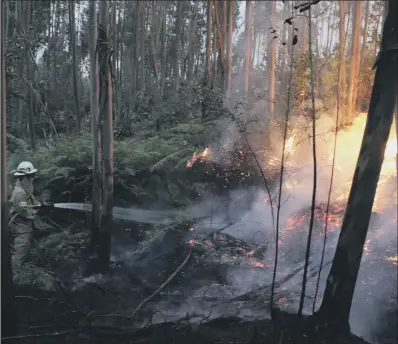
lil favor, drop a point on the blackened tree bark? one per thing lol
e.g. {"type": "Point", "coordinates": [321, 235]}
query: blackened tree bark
{"type": "Point", "coordinates": [105, 111]}
{"type": "Point", "coordinates": [8, 313]}
{"type": "Point", "coordinates": [335, 309]}
{"type": "Point", "coordinates": [95, 132]}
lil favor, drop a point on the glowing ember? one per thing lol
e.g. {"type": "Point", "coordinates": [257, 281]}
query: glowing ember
{"type": "Point", "coordinates": [366, 248]}
{"type": "Point", "coordinates": [257, 265]}
{"type": "Point", "coordinates": [393, 260]}
{"type": "Point", "coordinates": [209, 243]}
{"type": "Point", "coordinates": [282, 300]}
{"type": "Point", "coordinates": [192, 242]}
{"type": "Point", "coordinates": [201, 156]}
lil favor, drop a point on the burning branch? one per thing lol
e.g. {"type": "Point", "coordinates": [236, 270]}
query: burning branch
{"type": "Point", "coordinates": [200, 156]}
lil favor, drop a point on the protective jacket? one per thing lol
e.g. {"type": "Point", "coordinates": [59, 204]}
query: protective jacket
{"type": "Point", "coordinates": [22, 214]}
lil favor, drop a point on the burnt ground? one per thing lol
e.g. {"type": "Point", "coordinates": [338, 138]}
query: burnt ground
{"type": "Point", "coordinates": [199, 305]}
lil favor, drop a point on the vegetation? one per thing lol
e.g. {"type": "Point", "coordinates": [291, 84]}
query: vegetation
{"type": "Point", "coordinates": [110, 99]}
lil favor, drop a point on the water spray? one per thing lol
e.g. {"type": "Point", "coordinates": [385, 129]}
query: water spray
{"type": "Point", "coordinates": [129, 214]}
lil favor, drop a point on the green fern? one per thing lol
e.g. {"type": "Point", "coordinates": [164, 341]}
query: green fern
{"type": "Point", "coordinates": [168, 159]}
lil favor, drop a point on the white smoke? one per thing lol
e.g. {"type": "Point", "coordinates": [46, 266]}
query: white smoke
{"type": "Point", "coordinates": [255, 224]}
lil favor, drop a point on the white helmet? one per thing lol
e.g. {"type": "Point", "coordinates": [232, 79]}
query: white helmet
{"type": "Point", "coordinates": [25, 168]}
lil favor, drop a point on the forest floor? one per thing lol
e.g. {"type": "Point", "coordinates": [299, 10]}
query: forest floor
{"type": "Point", "coordinates": [68, 302]}
{"type": "Point", "coordinates": [81, 308]}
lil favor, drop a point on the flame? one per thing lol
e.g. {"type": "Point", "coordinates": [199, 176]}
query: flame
{"type": "Point", "coordinates": [201, 156]}
{"type": "Point", "coordinates": [289, 146]}
{"type": "Point", "coordinates": [345, 159]}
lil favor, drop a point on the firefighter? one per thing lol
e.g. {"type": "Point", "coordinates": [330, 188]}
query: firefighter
{"type": "Point", "coordinates": [23, 209]}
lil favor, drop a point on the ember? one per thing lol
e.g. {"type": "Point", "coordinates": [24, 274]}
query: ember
{"type": "Point", "coordinates": [257, 265]}
{"type": "Point", "coordinates": [229, 250]}
{"type": "Point", "coordinates": [393, 260]}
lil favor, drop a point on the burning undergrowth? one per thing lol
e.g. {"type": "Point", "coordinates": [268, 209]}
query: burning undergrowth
{"type": "Point", "coordinates": [253, 222]}
{"type": "Point", "coordinates": [232, 239]}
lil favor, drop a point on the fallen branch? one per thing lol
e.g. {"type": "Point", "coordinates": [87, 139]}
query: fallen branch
{"type": "Point", "coordinates": [106, 331]}
{"type": "Point", "coordinates": [150, 297]}
{"type": "Point", "coordinates": [42, 335]}
{"type": "Point", "coordinates": [27, 297]}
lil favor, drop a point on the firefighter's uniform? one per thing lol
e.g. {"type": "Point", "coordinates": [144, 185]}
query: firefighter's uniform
{"type": "Point", "coordinates": [22, 212]}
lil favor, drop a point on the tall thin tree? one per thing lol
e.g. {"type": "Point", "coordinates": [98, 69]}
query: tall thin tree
{"type": "Point", "coordinates": [8, 311]}
{"type": "Point", "coordinates": [95, 128]}
{"type": "Point", "coordinates": [314, 187]}
{"type": "Point", "coordinates": [272, 62]}
{"type": "Point", "coordinates": [340, 285]}
{"type": "Point", "coordinates": [72, 44]}
{"type": "Point", "coordinates": [229, 45]}
{"type": "Point", "coordinates": [355, 57]}
{"type": "Point", "coordinates": [208, 40]}
{"type": "Point", "coordinates": [105, 111]}
{"type": "Point", "coordinates": [248, 46]}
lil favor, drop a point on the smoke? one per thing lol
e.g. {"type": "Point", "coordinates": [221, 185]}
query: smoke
{"type": "Point", "coordinates": [253, 223]}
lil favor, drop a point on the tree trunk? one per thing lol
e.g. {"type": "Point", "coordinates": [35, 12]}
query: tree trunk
{"type": "Point", "coordinates": [220, 46]}
{"type": "Point", "coordinates": [17, 5]}
{"type": "Point", "coordinates": [191, 42]}
{"type": "Point", "coordinates": [342, 78]}
{"type": "Point", "coordinates": [142, 45]}
{"type": "Point", "coordinates": [271, 63]}
{"type": "Point", "coordinates": [254, 47]}
{"type": "Point", "coordinates": [215, 79]}
{"type": "Point", "coordinates": [333, 10]}
{"type": "Point", "coordinates": [328, 37]}
{"type": "Point", "coordinates": [115, 42]}
{"type": "Point", "coordinates": [340, 285]}
{"type": "Point", "coordinates": [355, 55]}
{"type": "Point", "coordinates": [177, 46]}
{"type": "Point", "coordinates": [8, 310]}
{"type": "Point", "coordinates": [163, 55]}
{"type": "Point", "coordinates": [97, 186]}
{"type": "Point", "coordinates": [283, 50]}
{"type": "Point", "coordinates": [134, 49]}
{"type": "Point", "coordinates": [208, 40]}
{"type": "Point", "coordinates": [30, 77]}
{"type": "Point", "coordinates": [7, 21]}
{"type": "Point", "coordinates": [72, 42]}
{"type": "Point", "coordinates": [121, 77]}
{"type": "Point", "coordinates": [248, 44]}
{"type": "Point", "coordinates": [365, 33]}
{"type": "Point", "coordinates": [358, 97]}
{"type": "Point", "coordinates": [105, 111]}
{"type": "Point", "coordinates": [153, 44]}
{"type": "Point", "coordinates": [230, 44]}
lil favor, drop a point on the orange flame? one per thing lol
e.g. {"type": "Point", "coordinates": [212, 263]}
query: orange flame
{"type": "Point", "coordinates": [201, 156]}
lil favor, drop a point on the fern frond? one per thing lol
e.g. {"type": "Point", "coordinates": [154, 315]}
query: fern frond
{"type": "Point", "coordinates": [170, 158]}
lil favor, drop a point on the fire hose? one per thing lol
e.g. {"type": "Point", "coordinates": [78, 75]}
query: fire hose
{"type": "Point", "coordinates": [33, 206]}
